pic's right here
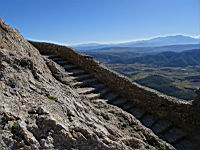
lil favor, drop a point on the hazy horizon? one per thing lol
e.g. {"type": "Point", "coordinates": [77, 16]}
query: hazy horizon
{"type": "Point", "coordinates": [135, 40]}
{"type": "Point", "coordinates": [117, 42]}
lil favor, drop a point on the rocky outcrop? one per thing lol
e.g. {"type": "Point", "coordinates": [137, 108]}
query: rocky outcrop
{"type": "Point", "coordinates": [38, 111]}
{"type": "Point", "coordinates": [179, 111]}
{"type": "Point", "coordinates": [183, 114]}
{"type": "Point", "coordinates": [89, 86]}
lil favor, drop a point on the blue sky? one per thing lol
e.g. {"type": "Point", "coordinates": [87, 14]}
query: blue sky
{"type": "Point", "coordinates": [80, 21]}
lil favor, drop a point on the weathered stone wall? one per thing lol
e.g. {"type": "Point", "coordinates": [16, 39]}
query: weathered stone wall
{"type": "Point", "coordinates": [196, 105]}
{"type": "Point", "coordinates": [181, 112]}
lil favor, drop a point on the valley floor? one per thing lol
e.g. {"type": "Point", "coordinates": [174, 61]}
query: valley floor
{"type": "Point", "coordinates": [173, 81]}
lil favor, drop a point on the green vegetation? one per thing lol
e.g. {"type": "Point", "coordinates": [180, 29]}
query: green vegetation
{"type": "Point", "coordinates": [162, 59]}
{"type": "Point", "coordinates": [17, 131]}
{"type": "Point", "coordinates": [174, 81]}
{"type": "Point", "coordinates": [52, 98]}
{"type": "Point", "coordinates": [15, 127]}
{"type": "Point", "coordinates": [165, 85]}
{"type": "Point", "coordinates": [3, 120]}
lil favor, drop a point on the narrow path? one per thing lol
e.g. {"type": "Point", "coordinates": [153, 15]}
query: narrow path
{"type": "Point", "coordinates": [89, 86]}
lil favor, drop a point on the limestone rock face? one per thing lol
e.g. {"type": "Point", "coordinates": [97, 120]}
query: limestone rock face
{"type": "Point", "coordinates": [40, 110]}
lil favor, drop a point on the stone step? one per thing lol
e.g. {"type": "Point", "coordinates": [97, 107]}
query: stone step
{"type": "Point", "coordinates": [91, 91]}
{"type": "Point", "coordinates": [84, 77]}
{"type": "Point", "coordinates": [149, 120]}
{"type": "Point", "coordinates": [127, 106]}
{"type": "Point", "coordinates": [57, 59]}
{"type": "Point", "coordinates": [92, 96]}
{"type": "Point", "coordinates": [103, 91]}
{"type": "Point", "coordinates": [173, 135]}
{"type": "Point", "coordinates": [51, 56]}
{"type": "Point", "coordinates": [77, 84]}
{"type": "Point", "coordinates": [87, 82]}
{"type": "Point", "coordinates": [137, 112]}
{"type": "Point", "coordinates": [161, 126]}
{"type": "Point", "coordinates": [98, 87]}
{"type": "Point", "coordinates": [76, 72]}
{"type": "Point", "coordinates": [185, 145]}
{"type": "Point", "coordinates": [86, 90]}
{"type": "Point", "coordinates": [99, 94]}
{"type": "Point", "coordinates": [62, 62]}
{"type": "Point", "coordinates": [118, 102]}
{"type": "Point", "coordinates": [69, 66]}
{"type": "Point", "coordinates": [110, 96]}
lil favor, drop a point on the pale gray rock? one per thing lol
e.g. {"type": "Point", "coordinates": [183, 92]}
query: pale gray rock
{"type": "Point", "coordinates": [38, 111]}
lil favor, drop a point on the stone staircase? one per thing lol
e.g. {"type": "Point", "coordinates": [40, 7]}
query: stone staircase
{"type": "Point", "coordinates": [86, 84]}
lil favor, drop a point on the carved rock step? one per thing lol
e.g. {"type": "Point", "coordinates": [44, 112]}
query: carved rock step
{"type": "Point", "coordinates": [149, 120]}
{"type": "Point", "coordinates": [86, 90]}
{"type": "Point", "coordinates": [98, 86]}
{"type": "Point", "coordinates": [110, 96]}
{"type": "Point", "coordinates": [57, 59]}
{"type": "Point", "coordinates": [92, 96]}
{"type": "Point", "coordinates": [103, 92]}
{"type": "Point", "coordinates": [100, 94]}
{"type": "Point", "coordinates": [68, 66]}
{"type": "Point", "coordinates": [117, 102]}
{"type": "Point", "coordinates": [51, 56]}
{"type": "Point", "coordinates": [161, 126]}
{"type": "Point", "coordinates": [128, 105]}
{"type": "Point", "coordinates": [83, 77]}
{"type": "Point", "coordinates": [137, 112]}
{"type": "Point", "coordinates": [62, 62]}
{"type": "Point", "coordinates": [87, 82]}
{"type": "Point", "coordinates": [92, 91]}
{"type": "Point", "coordinates": [75, 72]}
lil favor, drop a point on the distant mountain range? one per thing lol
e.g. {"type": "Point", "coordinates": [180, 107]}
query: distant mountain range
{"type": "Point", "coordinates": [170, 59]}
{"type": "Point", "coordinates": [143, 50]}
{"type": "Point", "coordinates": [162, 59]}
{"type": "Point", "coordinates": [154, 42]}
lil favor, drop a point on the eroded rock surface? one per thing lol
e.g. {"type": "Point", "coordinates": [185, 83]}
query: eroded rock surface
{"type": "Point", "coordinates": [40, 110]}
